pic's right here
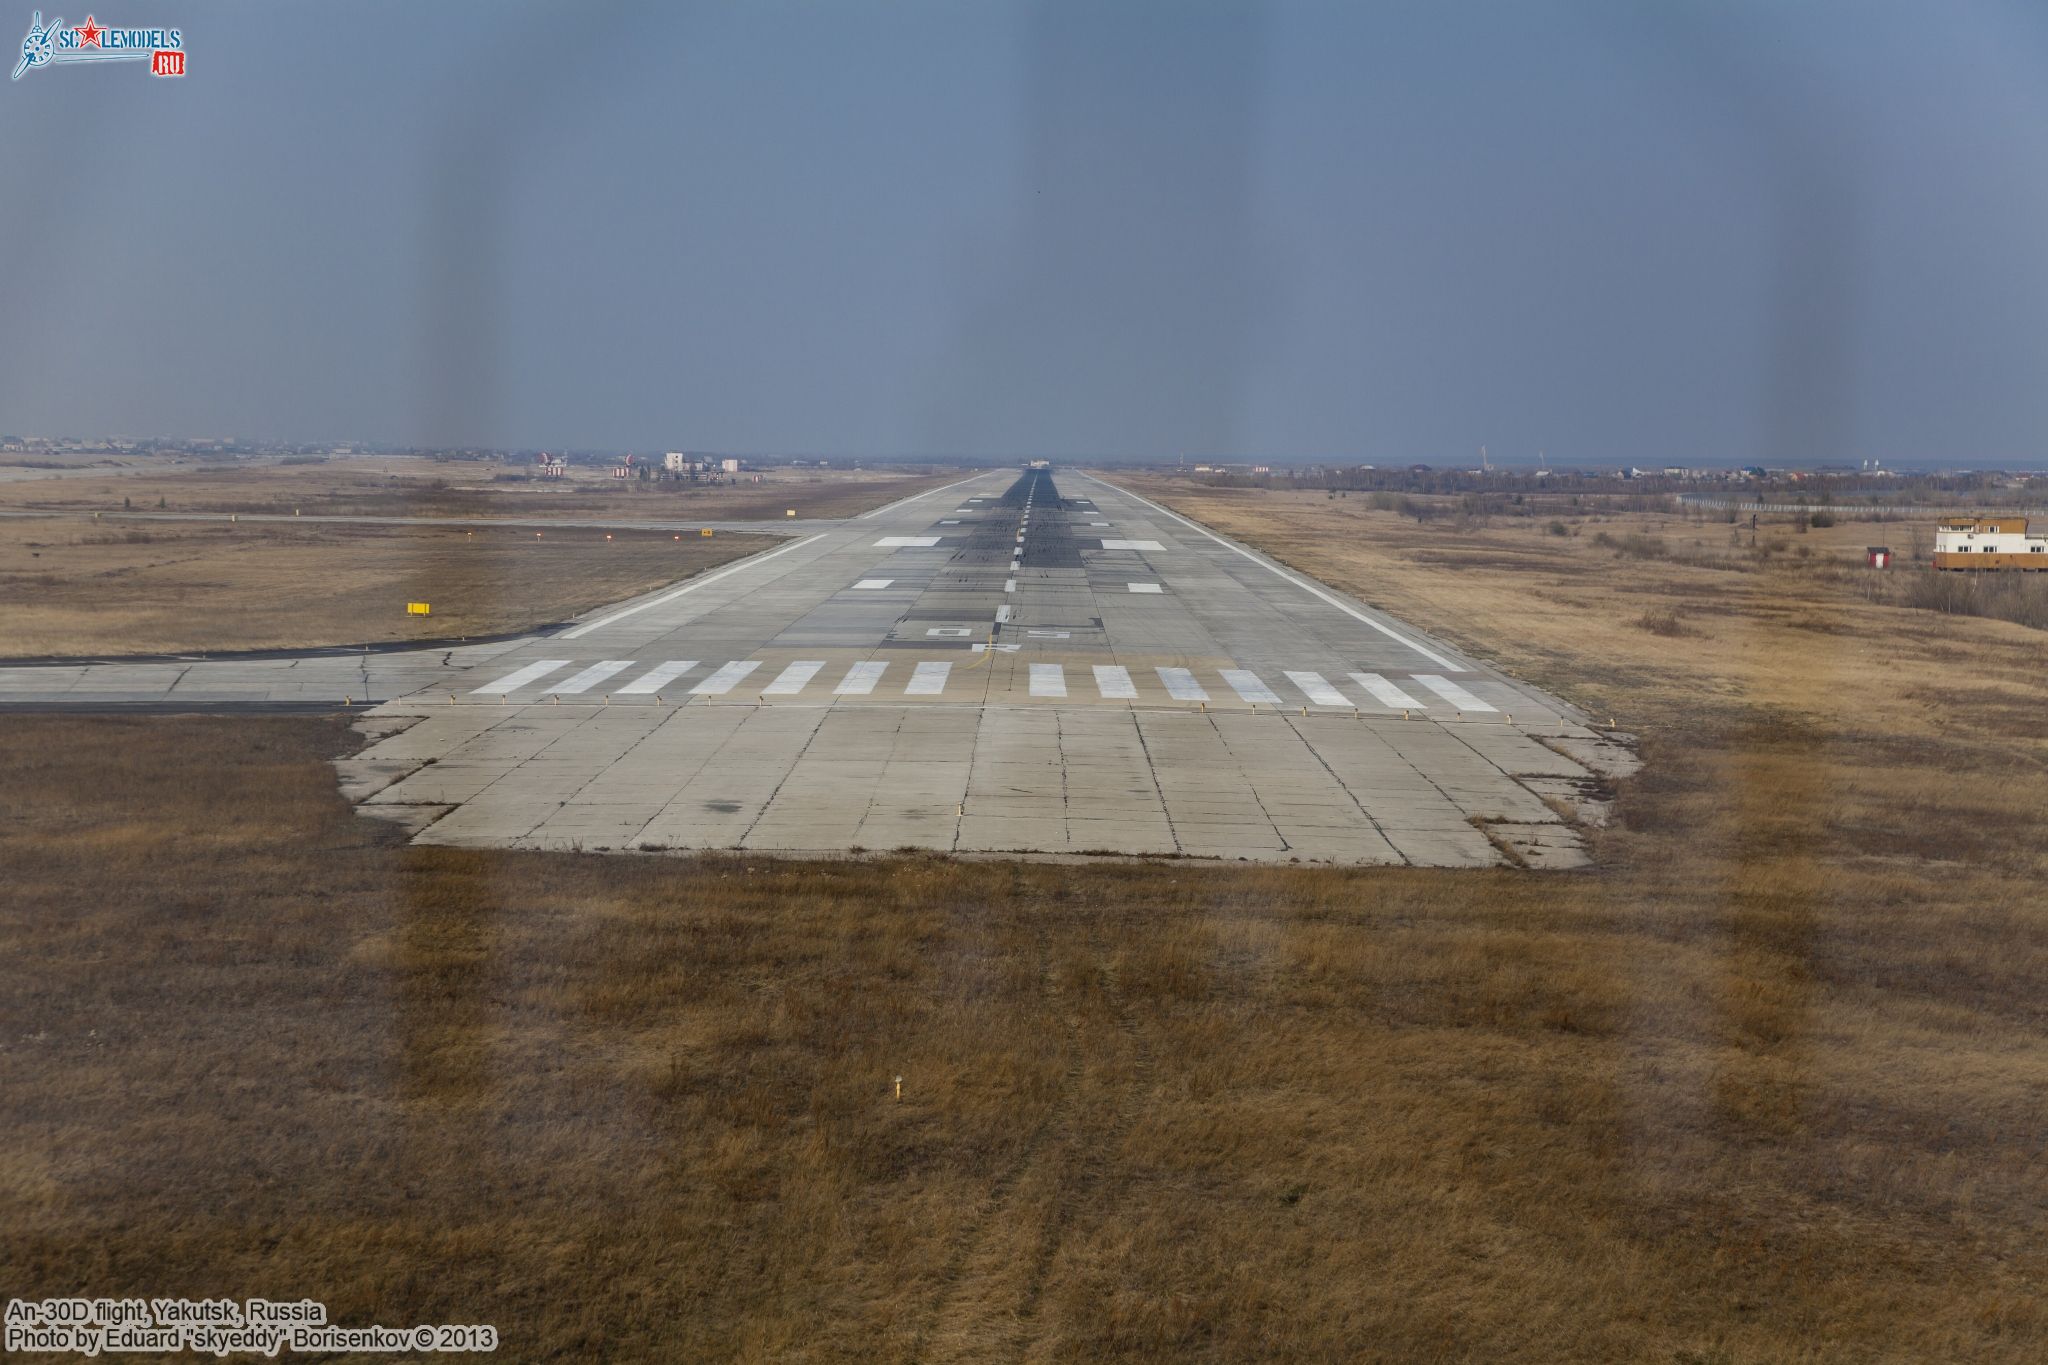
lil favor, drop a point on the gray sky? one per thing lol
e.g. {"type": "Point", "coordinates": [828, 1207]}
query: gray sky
{"type": "Point", "coordinates": [1616, 231]}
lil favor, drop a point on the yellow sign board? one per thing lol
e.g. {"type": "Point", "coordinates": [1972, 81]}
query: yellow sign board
{"type": "Point", "coordinates": [705, 532]}
{"type": "Point", "coordinates": [418, 609]}
{"type": "Point", "coordinates": [790, 513]}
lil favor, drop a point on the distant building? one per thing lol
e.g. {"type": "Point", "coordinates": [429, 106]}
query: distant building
{"type": "Point", "coordinates": [1980, 544]}
{"type": "Point", "coordinates": [676, 462]}
{"type": "Point", "coordinates": [729, 466]}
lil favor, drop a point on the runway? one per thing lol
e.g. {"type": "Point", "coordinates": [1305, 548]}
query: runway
{"type": "Point", "coordinates": [1034, 662]}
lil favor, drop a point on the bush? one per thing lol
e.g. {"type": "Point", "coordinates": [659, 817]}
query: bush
{"type": "Point", "coordinates": [1822, 519]}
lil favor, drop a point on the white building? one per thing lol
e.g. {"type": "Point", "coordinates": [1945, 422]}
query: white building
{"type": "Point", "coordinates": [729, 466]}
{"type": "Point", "coordinates": [676, 462]}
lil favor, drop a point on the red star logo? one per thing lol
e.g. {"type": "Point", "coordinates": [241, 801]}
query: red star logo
{"type": "Point", "coordinates": [88, 33]}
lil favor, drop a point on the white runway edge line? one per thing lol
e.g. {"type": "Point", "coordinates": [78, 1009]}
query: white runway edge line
{"type": "Point", "coordinates": [658, 677]}
{"type": "Point", "coordinates": [1385, 693]}
{"type": "Point", "coordinates": [1317, 690]}
{"type": "Point", "coordinates": [725, 679]}
{"type": "Point", "coordinates": [1048, 680]}
{"type": "Point", "coordinates": [540, 668]}
{"type": "Point", "coordinates": [692, 586]}
{"type": "Point", "coordinates": [1181, 684]}
{"type": "Point", "coordinates": [592, 676]}
{"type": "Point", "coordinates": [1303, 584]}
{"type": "Point", "coordinates": [1452, 693]}
{"type": "Point", "coordinates": [927, 680]}
{"type": "Point", "coordinates": [901, 502]}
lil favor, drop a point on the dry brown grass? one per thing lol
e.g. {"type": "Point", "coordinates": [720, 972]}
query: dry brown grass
{"type": "Point", "coordinates": [71, 586]}
{"type": "Point", "coordinates": [411, 486]}
{"type": "Point", "coordinates": [1766, 1087]}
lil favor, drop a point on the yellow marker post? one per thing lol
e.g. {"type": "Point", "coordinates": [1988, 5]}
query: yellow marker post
{"type": "Point", "coordinates": [418, 609]}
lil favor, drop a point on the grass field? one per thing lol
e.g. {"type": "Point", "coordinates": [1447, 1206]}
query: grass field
{"type": "Point", "coordinates": [70, 585]}
{"type": "Point", "coordinates": [408, 486]}
{"type": "Point", "coordinates": [1768, 1085]}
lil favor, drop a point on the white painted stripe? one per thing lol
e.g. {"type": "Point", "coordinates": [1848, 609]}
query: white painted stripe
{"type": "Point", "coordinates": [539, 669]}
{"type": "Point", "coordinates": [1114, 683]}
{"type": "Point", "coordinates": [658, 677]}
{"type": "Point", "coordinates": [1247, 685]}
{"type": "Point", "coordinates": [927, 680]}
{"type": "Point", "coordinates": [1003, 614]}
{"type": "Point", "coordinates": [592, 676]}
{"type": "Point", "coordinates": [1132, 545]}
{"type": "Point", "coordinates": [1270, 567]}
{"type": "Point", "coordinates": [1385, 692]}
{"type": "Point", "coordinates": [860, 679]}
{"type": "Point", "coordinates": [1009, 585]}
{"type": "Point", "coordinates": [1318, 691]}
{"type": "Point", "coordinates": [873, 584]}
{"type": "Point", "coordinates": [1452, 693]}
{"type": "Point", "coordinates": [1181, 684]}
{"type": "Point", "coordinates": [1143, 587]}
{"type": "Point", "coordinates": [899, 542]}
{"type": "Point", "coordinates": [726, 678]}
{"type": "Point", "coordinates": [791, 680]}
{"type": "Point", "coordinates": [1048, 680]}
{"type": "Point", "coordinates": [690, 586]}
{"type": "Point", "coordinates": [917, 497]}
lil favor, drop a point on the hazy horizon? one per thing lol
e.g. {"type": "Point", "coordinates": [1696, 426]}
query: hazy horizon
{"type": "Point", "coordinates": [1696, 234]}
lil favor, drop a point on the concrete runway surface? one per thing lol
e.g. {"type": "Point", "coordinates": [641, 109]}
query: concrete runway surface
{"type": "Point", "coordinates": [1034, 662]}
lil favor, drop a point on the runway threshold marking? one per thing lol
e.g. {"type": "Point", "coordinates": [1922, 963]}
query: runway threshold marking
{"type": "Point", "coordinates": [1385, 693]}
{"type": "Point", "coordinates": [1181, 684]}
{"type": "Point", "coordinates": [1452, 693]}
{"type": "Point", "coordinates": [725, 679]}
{"type": "Point", "coordinates": [689, 587]}
{"type": "Point", "coordinates": [860, 679]}
{"type": "Point", "coordinates": [1048, 680]}
{"type": "Point", "coordinates": [1246, 684]}
{"type": "Point", "coordinates": [534, 671]}
{"type": "Point", "coordinates": [914, 497]}
{"type": "Point", "coordinates": [1317, 690]}
{"type": "Point", "coordinates": [1275, 569]}
{"type": "Point", "coordinates": [592, 676]}
{"type": "Point", "coordinates": [658, 677]}
{"type": "Point", "coordinates": [791, 680]}
{"type": "Point", "coordinates": [1115, 683]}
{"type": "Point", "coordinates": [927, 680]}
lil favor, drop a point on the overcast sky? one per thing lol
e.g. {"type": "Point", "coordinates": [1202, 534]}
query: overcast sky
{"type": "Point", "coordinates": [1613, 231]}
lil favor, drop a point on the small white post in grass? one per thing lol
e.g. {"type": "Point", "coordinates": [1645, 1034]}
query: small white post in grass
{"type": "Point", "coordinates": [899, 1087]}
